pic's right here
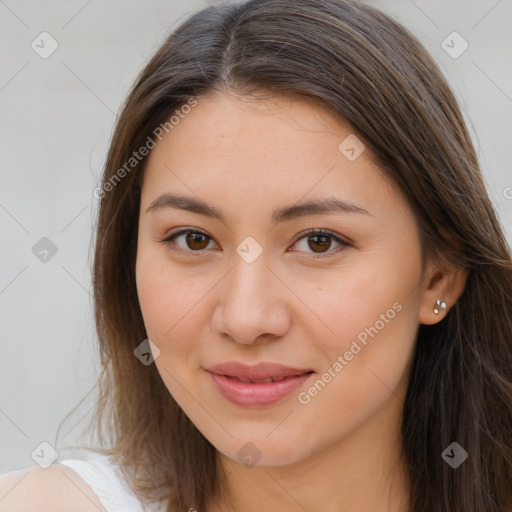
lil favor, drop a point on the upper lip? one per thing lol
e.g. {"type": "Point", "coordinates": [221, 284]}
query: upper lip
{"type": "Point", "coordinates": [263, 370]}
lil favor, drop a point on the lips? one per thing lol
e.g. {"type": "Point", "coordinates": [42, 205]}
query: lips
{"type": "Point", "coordinates": [258, 381]}
{"type": "Point", "coordinates": [255, 386]}
{"type": "Point", "coordinates": [261, 372]}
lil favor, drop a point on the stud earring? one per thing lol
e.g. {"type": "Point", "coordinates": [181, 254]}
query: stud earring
{"type": "Point", "coordinates": [440, 305]}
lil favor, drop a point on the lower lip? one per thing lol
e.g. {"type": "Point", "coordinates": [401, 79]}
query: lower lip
{"type": "Point", "coordinates": [257, 394]}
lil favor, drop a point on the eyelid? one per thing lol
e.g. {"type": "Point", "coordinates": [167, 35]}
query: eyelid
{"type": "Point", "coordinates": [343, 241]}
{"type": "Point", "coordinates": [169, 239]}
{"type": "Point", "coordinates": [325, 232]}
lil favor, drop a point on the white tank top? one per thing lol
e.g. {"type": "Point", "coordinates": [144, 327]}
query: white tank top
{"type": "Point", "coordinates": [108, 482]}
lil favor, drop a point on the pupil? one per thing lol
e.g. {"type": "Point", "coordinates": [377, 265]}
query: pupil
{"type": "Point", "coordinates": [193, 238]}
{"type": "Point", "coordinates": [324, 238]}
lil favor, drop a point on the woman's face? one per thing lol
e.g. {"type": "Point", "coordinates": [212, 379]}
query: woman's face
{"type": "Point", "coordinates": [251, 285]}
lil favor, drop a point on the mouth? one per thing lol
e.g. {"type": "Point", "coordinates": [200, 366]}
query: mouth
{"type": "Point", "coordinates": [257, 386]}
{"type": "Point", "coordinates": [260, 381]}
{"type": "Point", "coordinates": [260, 372]}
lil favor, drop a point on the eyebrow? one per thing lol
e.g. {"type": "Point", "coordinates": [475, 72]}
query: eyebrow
{"type": "Point", "coordinates": [328, 205]}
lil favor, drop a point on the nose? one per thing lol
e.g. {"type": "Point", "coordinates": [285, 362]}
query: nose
{"type": "Point", "coordinates": [253, 303]}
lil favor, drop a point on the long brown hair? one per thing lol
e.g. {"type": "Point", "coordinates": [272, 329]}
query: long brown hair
{"type": "Point", "coordinates": [377, 77]}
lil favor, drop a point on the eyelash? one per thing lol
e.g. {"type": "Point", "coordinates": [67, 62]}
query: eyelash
{"type": "Point", "coordinates": [318, 232]}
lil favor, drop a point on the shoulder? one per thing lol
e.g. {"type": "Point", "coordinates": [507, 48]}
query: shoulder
{"type": "Point", "coordinates": [55, 489]}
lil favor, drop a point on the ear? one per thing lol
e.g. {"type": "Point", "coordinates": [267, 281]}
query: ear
{"type": "Point", "coordinates": [444, 283]}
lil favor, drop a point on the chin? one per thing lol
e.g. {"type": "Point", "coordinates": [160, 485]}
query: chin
{"type": "Point", "coordinates": [262, 452]}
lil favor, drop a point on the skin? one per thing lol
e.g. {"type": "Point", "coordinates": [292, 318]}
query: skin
{"type": "Point", "coordinates": [340, 451]}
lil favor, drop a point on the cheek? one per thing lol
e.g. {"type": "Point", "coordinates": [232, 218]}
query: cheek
{"type": "Point", "coordinates": [368, 322]}
{"type": "Point", "coordinates": [348, 302]}
{"type": "Point", "coordinates": [170, 305]}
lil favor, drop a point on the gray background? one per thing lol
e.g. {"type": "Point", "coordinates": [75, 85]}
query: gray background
{"type": "Point", "coordinates": [57, 115]}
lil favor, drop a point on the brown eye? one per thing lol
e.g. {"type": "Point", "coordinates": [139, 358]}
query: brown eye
{"type": "Point", "coordinates": [194, 241]}
{"type": "Point", "coordinates": [319, 242]}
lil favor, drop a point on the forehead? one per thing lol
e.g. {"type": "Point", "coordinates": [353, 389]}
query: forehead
{"type": "Point", "coordinates": [220, 120]}
{"type": "Point", "coordinates": [277, 149]}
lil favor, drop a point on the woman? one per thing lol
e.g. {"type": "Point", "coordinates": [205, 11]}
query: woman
{"type": "Point", "coordinates": [249, 363]}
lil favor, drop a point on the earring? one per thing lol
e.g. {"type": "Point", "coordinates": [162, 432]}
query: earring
{"type": "Point", "coordinates": [440, 305]}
